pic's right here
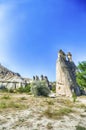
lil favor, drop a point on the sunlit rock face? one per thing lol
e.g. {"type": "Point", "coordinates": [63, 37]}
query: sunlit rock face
{"type": "Point", "coordinates": [66, 75]}
{"type": "Point", "coordinates": [10, 80]}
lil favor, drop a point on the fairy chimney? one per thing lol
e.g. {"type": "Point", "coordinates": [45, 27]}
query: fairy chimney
{"type": "Point", "coordinates": [66, 75]}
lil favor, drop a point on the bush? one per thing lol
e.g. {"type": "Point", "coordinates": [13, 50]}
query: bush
{"type": "Point", "coordinates": [40, 88]}
{"type": "Point", "coordinates": [25, 89]}
{"type": "Point", "coordinates": [81, 74]}
{"type": "Point", "coordinates": [12, 90]}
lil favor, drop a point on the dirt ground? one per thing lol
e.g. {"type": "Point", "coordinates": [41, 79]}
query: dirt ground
{"type": "Point", "coordinates": [26, 112]}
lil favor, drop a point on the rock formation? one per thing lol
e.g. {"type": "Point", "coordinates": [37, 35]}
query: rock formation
{"type": "Point", "coordinates": [66, 75]}
{"type": "Point", "coordinates": [11, 80]}
{"type": "Point", "coordinates": [42, 78]}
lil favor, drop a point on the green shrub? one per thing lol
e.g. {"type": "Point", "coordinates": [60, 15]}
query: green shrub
{"type": "Point", "coordinates": [40, 88]}
{"type": "Point", "coordinates": [25, 89]}
{"type": "Point", "coordinates": [12, 90]}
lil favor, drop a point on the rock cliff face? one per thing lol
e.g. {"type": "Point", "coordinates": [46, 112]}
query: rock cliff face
{"type": "Point", "coordinates": [10, 80]}
{"type": "Point", "coordinates": [66, 75]}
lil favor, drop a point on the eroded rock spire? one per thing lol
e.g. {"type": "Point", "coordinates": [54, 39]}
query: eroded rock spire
{"type": "Point", "coordinates": [66, 75]}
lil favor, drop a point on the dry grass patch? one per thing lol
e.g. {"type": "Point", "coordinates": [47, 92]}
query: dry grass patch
{"type": "Point", "coordinates": [23, 98]}
{"type": "Point", "coordinates": [81, 106]}
{"type": "Point", "coordinates": [8, 101]}
{"type": "Point", "coordinates": [49, 101]}
{"type": "Point", "coordinates": [54, 113]}
{"type": "Point", "coordinates": [65, 102]}
{"type": "Point", "coordinates": [4, 105]}
{"type": "Point", "coordinates": [6, 96]}
{"type": "Point", "coordinates": [52, 107]}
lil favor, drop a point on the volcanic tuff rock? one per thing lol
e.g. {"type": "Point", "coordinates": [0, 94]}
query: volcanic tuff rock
{"type": "Point", "coordinates": [66, 75]}
{"type": "Point", "coordinates": [10, 80]}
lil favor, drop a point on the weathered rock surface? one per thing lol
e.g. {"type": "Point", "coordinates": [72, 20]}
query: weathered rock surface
{"type": "Point", "coordinates": [66, 75]}
{"type": "Point", "coordinates": [10, 80]}
{"type": "Point", "coordinates": [43, 78]}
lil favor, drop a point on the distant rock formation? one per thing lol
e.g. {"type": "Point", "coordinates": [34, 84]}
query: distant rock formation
{"type": "Point", "coordinates": [66, 75]}
{"type": "Point", "coordinates": [11, 80]}
{"type": "Point", "coordinates": [42, 78]}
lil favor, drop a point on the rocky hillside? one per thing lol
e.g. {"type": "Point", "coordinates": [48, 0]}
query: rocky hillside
{"type": "Point", "coordinates": [8, 75]}
{"type": "Point", "coordinates": [11, 79]}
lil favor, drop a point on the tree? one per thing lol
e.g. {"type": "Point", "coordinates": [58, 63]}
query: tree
{"type": "Point", "coordinates": [81, 74]}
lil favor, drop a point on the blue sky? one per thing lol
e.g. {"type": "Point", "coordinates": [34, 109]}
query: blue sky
{"type": "Point", "coordinates": [32, 32]}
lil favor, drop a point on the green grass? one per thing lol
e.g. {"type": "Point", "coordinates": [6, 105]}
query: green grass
{"type": "Point", "coordinates": [7, 101]}
{"type": "Point", "coordinates": [4, 105]}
